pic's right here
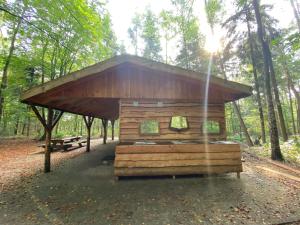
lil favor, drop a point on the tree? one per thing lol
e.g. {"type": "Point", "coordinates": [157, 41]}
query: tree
{"type": "Point", "coordinates": [191, 41]}
{"type": "Point", "coordinates": [15, 30]}
{"type": "Point", "coordinates": [151, 37]}
{"type": "Point", "coordinates": [134, 31]}
{"type": "Point", "coordinates": [294, 4]}
{"type": "Point", "coordinates": [212, 8]}
{"type": "Point", "coordinates": [168, 28]}
{"type": "Point", "coordinates": [274, 138]}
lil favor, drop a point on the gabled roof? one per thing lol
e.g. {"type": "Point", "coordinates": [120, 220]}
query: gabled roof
{"type": "Point", "coordinates": [117, 60]}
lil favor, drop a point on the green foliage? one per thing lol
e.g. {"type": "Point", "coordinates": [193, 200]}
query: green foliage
{"type": "Point", "coordinates": [179, 122]}
{"type": "Point", "coordinates": [212, 8]}
{"type": "Point", "coordinates": [55, 38]}
{"type": "Point", "coordinates": [151, 37]}
{"type": "Point", "coordinates": [149, 127]}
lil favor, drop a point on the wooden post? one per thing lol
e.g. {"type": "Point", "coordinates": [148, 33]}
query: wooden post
{"type": "Point", "coordinates": [104, 124]}
{"type": "Point", "coordinates": [88, 122]}
{"type": "Point", "coordinates": [52, 120]}
{"type": "Point", "coordinates": [112, 130]}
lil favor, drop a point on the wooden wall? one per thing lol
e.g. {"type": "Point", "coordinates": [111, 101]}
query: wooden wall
{"type": "Point", "coordinates": [145, 160]}
{"type": "Point", "coordinates": [131, 117]}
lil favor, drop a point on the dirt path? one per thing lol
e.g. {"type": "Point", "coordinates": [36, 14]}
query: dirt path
{"type": "Point", "coordinates": [20, 159]}
{"type": "Point", "coordinates": [83, 191]}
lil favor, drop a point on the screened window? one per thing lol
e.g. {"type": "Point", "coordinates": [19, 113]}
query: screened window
{"type": "Point", "coordinates": [149, 127]}
{"type": "Point", "coordinates": [211, 127]}
{"type": "Point", "coordinates": [179, 123]}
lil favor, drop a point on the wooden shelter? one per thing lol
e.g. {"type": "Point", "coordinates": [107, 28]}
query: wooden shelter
{"type": "Point", "coordinates": [161, 112]}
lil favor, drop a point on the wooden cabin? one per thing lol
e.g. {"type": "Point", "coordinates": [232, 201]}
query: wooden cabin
{"type": "Point", "coordinates": [161, 112]}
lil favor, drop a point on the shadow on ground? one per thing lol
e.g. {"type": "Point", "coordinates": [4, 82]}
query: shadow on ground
{"type": "Point", "coordinates": [83, 191]}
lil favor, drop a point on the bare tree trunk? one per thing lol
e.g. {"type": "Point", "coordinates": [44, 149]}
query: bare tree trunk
{"type": "Point", "coordinates": [297, 95]}
{"type": "Point", "coordinates": [3, 85]}
{"type": "Point", "coordinates": [296, 13]}
{"type": "Point", "coordinates": [242, 124]}
{"type": "Point", "coordinates": [274, 138]}
{"type": "Point", "coordinates": [112, 130]}
{"type": "Point", "coordinates": [16, 127]}
{"type": "Point", "coordinates": [291, 108]}
{"type": "Point", "coordinates": [237, 110]}
{"type": "Point", "coordinates": [28, 126]}
{"type": "Point", "coordinates": [104, 125]}
{"type": "Point", "coordinates": [276, 95]}
{"type": "Point", "coordinates": [256, 85]}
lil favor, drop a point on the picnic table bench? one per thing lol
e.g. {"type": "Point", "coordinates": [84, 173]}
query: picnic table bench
{"type": "Point", "coordinates": [66, 143]}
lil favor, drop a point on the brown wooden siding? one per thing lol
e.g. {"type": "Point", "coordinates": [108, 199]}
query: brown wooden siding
{"type": "Point", "coordinates": [140, 160]}
{"type": "Point", "coordinates": [131, 117]}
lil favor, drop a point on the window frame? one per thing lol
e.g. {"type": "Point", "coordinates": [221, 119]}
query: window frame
{"type": "Point", "coordinates": [179, 129]}
{"type": "Point", "coordinates": [149, 134]}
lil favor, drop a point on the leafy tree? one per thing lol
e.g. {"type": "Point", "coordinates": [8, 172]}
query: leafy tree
{"type": "Point", "coordinates": [274, 139]}
{"type": "Point", "coordinates": [151, 37]}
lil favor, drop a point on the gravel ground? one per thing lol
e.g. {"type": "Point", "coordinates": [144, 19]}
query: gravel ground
{"type": "Point", "coordinates": [82, 190]}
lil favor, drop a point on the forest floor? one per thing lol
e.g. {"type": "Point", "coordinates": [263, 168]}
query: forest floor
{"type": "Point", "coordinates": [83, 191]}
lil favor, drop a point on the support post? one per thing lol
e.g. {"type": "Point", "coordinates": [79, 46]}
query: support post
{"type": "Point", "coordinates": [104, 124]}
{"type": "Point", "coordinates": [112, 129]}
{"type": "Point", "coordinates": [88, 120]}
{"type": "Point", "coordinates": [52, 120]}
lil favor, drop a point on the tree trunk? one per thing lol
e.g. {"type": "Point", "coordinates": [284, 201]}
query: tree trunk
{"type": "Point", "coordinates": [276, 95]}
{"type": "Point", "coordinates": [88, 143]}
{"type": "Point", "coordinates": [296, 13]}
{"type": "Point", "coordinates": [242, 124]}
{"type": "Point", "coordinates": [88, 120]}
{"type": "Point", "coordinates": [104, 125]}
{"type": "Point", "coordinates": [16, 127]}
{"type": "Point", "coordinates": [274, 139]}
{"type": "Point", "coordinates": [296, 93]}
{"type": "Point", "coordinates": [28, 126]}
{"type": "Point", "coordinates": [291, 108]}
{"type": "Point", "coordinates": [101, 129]}
{"type": "Point", "coordinates": [256, 84]}
{"type": "Point", "coordinates": [3, 85]}
{"type": "Point", "coordinates": [237, 110]}
{"type": "Point", "coordinates": [48, 147]}
{"type": "Point", "coordinates": [112, 130]}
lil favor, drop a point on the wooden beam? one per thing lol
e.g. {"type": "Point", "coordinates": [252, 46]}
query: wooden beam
{"type": "Point", "coordinates": [48, 126]}
{"type": "Point", "coordinates": [112, 129]}
{"type": "Point", "coordinates": [104, 124]}
{"type": "Point", "coordinates": [57, 118]}
{"type": "Point", "coordinates": [48, 148]}
{"type": "Point", "coordinates": [39, 116]}
{"type": "Point", "coordinates": [88, 120]}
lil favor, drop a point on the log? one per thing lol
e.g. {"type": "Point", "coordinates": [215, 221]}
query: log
{"type": "Point", "coordinates": [176, 170]}
{"type": "Point", "coordinates": [177, 156]}
{"type": "Point", "coordinates": [170, 163]}
{"type": "Point", "coordinates": [184, 148]}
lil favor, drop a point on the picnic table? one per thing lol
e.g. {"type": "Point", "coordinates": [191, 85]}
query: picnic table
{"type": "Point", "coordinates": [66, 143]}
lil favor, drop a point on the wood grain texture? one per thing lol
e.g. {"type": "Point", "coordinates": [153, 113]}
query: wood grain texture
{"type": "Point", "coordinates": [176, 170]}
{"type": "Point", "coordinates": [172, 159]}
{"type": "Point", "coordinates": [132, 115]}
{"type": "Point", "coordinates": [179, 148]}
{"type": "Point", "coordinates": [177, 156]}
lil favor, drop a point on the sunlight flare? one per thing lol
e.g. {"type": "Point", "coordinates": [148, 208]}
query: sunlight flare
{"type": "Point", "coordinates": [212, 44]}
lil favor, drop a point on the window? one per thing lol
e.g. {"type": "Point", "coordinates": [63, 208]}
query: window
{"type": "Point", "coordinates": [179, 123]}
{"type": "Point", "coordinates": [149, 127]}
{"type": "Point", "coordinates": [211, 127]}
